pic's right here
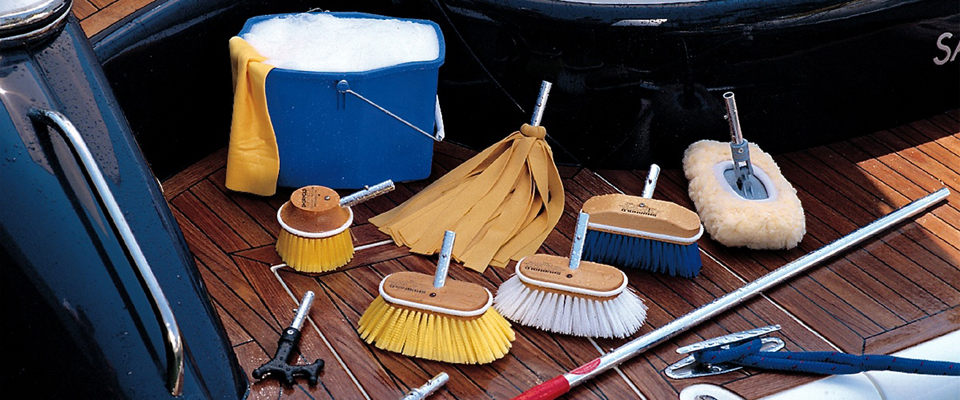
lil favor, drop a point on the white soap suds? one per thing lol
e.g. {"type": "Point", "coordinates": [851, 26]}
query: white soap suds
{"type": "Point", "coordinates": [325, 43]}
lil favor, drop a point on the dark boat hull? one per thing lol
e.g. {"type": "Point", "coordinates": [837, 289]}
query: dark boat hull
{"type": "Point", "coordinates": [79, 319]}
{"type": "Point", "coordinates": [632, 84]}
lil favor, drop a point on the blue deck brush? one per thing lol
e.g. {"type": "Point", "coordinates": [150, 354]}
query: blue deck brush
{"type": "Point", "coordinates": [640, 232]}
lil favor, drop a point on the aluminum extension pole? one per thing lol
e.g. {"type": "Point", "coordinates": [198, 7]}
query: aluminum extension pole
{"type": "Point", "coordinates": [558, 386]}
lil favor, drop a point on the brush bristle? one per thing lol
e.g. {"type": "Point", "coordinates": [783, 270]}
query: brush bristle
{"type": "Point", "coordinates": [315, 255]}
{"type": "Point", "coordinates": [570, 314]}
{"type": "Point", "coordinates": [435, 336]}
{"type": "Point", "coordinates": [647, 254]}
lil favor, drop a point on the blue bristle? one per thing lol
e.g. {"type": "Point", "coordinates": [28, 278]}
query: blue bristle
{"type": "Point", "coordinates": [635, 252]}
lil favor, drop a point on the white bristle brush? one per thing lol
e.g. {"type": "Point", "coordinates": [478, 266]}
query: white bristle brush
{"type": "Point", "coordinates": [570, 296]}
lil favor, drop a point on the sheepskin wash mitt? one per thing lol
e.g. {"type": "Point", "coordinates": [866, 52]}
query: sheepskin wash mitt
{"type": "Point", "coordinates": [502, 204]}
{"type": "Point", "coordinates": [776, 222]}
{"type": "Point", "coordinates": [253, 160]}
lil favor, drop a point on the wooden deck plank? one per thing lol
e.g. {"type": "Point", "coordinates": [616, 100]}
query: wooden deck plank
{"type": "Point", "coordinates": [110, 14]}
{"type": "Point", "coordinates": [235, 332]}
{"type": "Point", "coordinates": [214, 227]}
{"type": "Point", "coordinates": [83, 9]}
{"type": "Point", "coordinates": [185, 179]}
{"type": "Point", "coordinates": [260, 211]}
{"type": "Point", "coordinates": [924, 329]}
{"type": "Point", "coordinates": [232, 214]}
{"type": "Point", "coordinates": [865, 209]}
{"type": "Point", "coordinates": [919, 255]}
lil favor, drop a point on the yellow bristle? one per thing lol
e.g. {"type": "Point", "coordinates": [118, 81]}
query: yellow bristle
{"type": "Point", "coordinates": [434, 336]}
{"type": "Point", "coordinates": [315, 255]}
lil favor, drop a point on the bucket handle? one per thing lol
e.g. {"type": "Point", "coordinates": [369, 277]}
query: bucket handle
{"type": "Point", "coordinates": [344, 87]}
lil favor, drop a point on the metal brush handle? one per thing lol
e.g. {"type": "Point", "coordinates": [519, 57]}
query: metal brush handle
{"type": "Point", "coordinates": [367, 193]}
{"type": "Point", "coordinates": [579, 236]}
{"type": "Point", "coordinates": [541, 103]}
{"type": "Point", "coordinates": [302, 312]}
{"type": "Point", "coordinates": [651, 183]}
{"type": "Point", "coordinates": [428, 388]}
{"type": "Point", "coordinates": [443, 264]}
{"type": "Point", "coordinates": [736, 135]}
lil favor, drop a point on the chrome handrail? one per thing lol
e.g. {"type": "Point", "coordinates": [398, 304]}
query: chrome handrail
{"type": "Point", "coordinates": [173, 342]}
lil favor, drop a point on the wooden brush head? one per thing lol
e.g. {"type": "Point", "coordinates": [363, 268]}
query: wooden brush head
{"type": "Point", "coordinates": [314, 209]}
{"type": "Point", "coordinates": [416, 290]}
{"type": "Point", "coordinates": [642, 217]}
{"type": "Point", "coordinates": [553, 273]}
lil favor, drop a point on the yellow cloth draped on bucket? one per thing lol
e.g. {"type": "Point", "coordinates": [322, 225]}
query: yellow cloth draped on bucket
{"type": "Point", "coordinates": [253, 162]}
{"type": "Point", "coordinates": [502, 203]}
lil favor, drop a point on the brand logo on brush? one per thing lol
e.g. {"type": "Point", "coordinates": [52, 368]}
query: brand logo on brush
{"type": "Point", "coordinates": [638, 208]}
{"type": "Point", "coordinates": [406, 288]}
{"type": "Point", "coordinates": [543, 267]}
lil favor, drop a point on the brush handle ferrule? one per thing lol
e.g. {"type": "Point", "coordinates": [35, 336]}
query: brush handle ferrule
{"type": "Point", "coordinates": [367, 193]}
{"type": "Point", "coordinates": [305, 304]}
{"type": "Point", "coordinates": [443, 263]}
{"type": "Point", "coordinates": [579, 237]}
{"type": "Point", "coordinates": [651, 183]}
{"type": "Point", "coordinates": [541, 103]}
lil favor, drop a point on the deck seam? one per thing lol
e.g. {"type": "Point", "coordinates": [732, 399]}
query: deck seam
{"type": "Point", "coordinates": [878, 239]}
{"type": "Point", "coordinates": [330, 293]}
{"type": "Point", "coordinates": [238, 205]}
{"type": "Point", "coordinates": [868, 271]}
{"type": "Point", "coordinates": [322, 336]}
{"type": "Point", "coordinates": [921, 226]}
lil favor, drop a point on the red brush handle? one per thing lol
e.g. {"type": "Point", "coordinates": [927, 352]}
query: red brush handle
{"type": "Point", "coordinates": [548, 390]}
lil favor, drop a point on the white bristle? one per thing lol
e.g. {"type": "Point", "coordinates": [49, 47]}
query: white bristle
{"type": "Point", "coordinates": [617, 317]}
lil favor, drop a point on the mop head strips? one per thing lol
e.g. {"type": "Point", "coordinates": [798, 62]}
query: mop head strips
{"type": "Point", "coordinates": [637, 232]}
{"type": "Point", "coordinates": [315, 235]}
{"type": "Point", "coordinates": [776, 222]}
{"type": "Point", "coordinates": [502, 203]}
{"type": "Point", "coordinates": [453, 323]}
{"type": "Point", "coordinates": [592, 300]}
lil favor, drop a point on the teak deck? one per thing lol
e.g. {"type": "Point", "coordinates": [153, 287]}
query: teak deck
{"type": "Point", "coordinates": [894, 291]}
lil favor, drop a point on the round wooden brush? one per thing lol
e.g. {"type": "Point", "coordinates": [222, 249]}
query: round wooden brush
{"type": "Point", "coordinates": [428, 317]}
{"type": "Point", "coordinates": [565, 295]}
{"type": "Point", "coordinates": [316, 227]}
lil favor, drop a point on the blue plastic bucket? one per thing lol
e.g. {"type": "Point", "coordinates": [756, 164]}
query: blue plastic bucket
{"type": "Point", "coordinates": [331, 137]}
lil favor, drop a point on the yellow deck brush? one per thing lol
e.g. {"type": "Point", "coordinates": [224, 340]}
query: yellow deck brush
{"type": "Point", "coordinates": [743, 200]}
{"type": "Point", "coordinates": [315, 222]}
{"type": "Point", "coordinates": [428, 317]}
{"type": "Point", "coordinates": [572, 297]}
{"type": "Point", "coordinates": [503, 202]}
{"type": "Point", "coordinates": [641, 232]}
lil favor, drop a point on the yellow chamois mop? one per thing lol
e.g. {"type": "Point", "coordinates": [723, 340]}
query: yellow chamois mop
{"type": "Point", "coordinates": [502, 203]}
{"type": "Point", "coordinates": [428, 317]}
{"type": "Point", "coordinates": [569, 296]}
{"type": "Point", "coordinates": [316, 227]}
{"type": "Point", "coordinates": [742, 201]}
